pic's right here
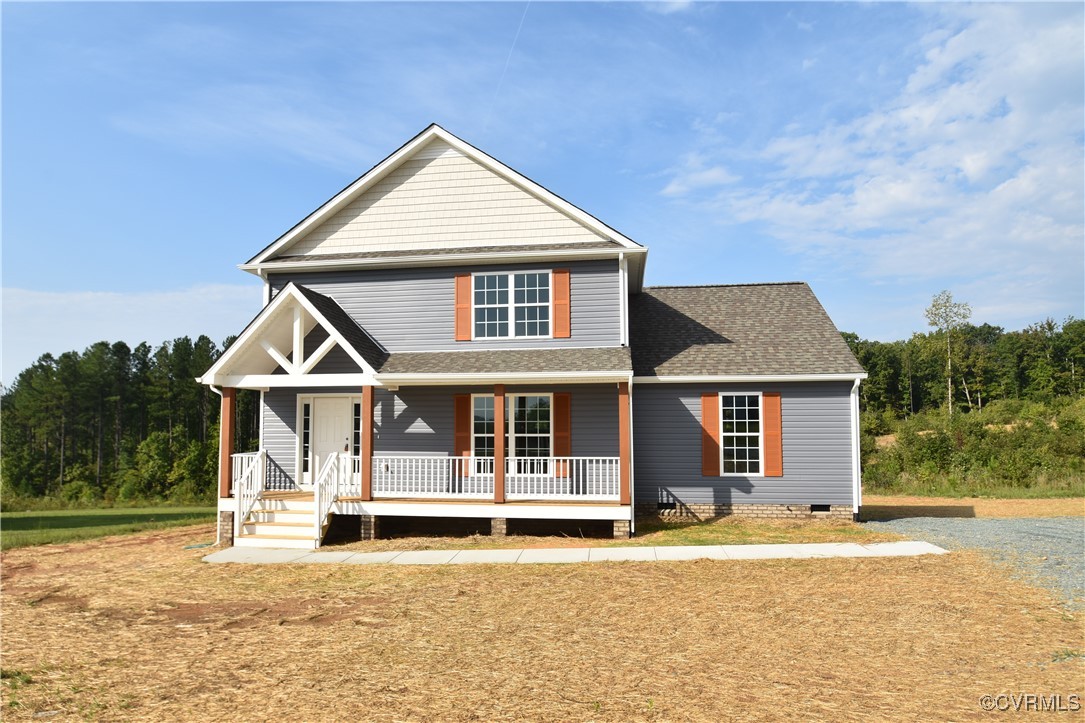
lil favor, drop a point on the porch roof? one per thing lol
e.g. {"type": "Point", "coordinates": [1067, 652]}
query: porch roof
{"type": "Point", "coordinates": [338, 318]}
{"type": "Point", "coordinates": [510, 361]}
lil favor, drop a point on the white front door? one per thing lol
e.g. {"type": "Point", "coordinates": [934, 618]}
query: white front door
{"type": "Point", "coordinates": [332, 424]}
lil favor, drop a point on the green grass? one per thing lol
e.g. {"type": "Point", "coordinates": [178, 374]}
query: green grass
{"type": "Point", "coordinates": [22, 529]}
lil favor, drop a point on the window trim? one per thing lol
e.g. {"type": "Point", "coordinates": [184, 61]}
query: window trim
{"type": "Point", "coordinates": [510, 449]}
{"type": "Point", "coordinates": [760, 433]}
{"type": "Point", "coordinates": [511, 305]}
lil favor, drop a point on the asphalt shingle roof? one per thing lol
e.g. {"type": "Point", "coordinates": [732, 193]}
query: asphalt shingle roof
{"type": "Point", "coordinates": [512, 361]}
{"type": "Point", "coordinates": [333, 312]}
{"type": "Point", "coordinates": [755, 329]}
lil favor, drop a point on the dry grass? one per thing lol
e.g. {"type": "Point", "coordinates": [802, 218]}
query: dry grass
{"type": "Point", "coordinates": [137, 628]}
{"type": "Point", "coordinates": [881, 508]}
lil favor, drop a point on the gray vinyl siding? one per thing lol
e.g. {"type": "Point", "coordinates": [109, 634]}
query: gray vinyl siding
{"type": "Point", "coordinates": [816, 430]}
{"type": "Point", "coordinates": [413, 309]}
{"type": "Point", "coordinates": [419, 420]}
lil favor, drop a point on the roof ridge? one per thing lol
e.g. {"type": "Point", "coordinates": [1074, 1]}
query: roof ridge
{"type": "Point", "coordinates": [721, 286]}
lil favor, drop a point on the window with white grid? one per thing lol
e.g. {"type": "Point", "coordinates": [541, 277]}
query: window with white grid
{"type": "Point", "coordinates": [740, 433]}
{"type": "Point", "coordinates": [512, 305]}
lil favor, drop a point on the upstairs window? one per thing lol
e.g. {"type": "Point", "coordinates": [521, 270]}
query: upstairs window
{"type": "Point", "coordinates": [512, 305]}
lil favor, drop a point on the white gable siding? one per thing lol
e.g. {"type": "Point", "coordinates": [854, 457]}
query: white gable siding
{"type": "Point", "coordinates": [439, 198]}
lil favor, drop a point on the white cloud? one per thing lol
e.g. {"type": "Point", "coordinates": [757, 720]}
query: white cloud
{"type": "Point", "coordinates": [694, 176]}
{"type": "Point", "coordinates": [39, 322]}
{"type": "Point", "coordinates": [973, 173]}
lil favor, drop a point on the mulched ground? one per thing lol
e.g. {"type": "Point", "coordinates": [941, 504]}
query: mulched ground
{"type": "Point", "coordinates": [138, 628]}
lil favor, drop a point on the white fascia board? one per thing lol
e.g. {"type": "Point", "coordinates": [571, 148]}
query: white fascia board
{"type": "Point", "coordinates": [246, 336]}
{"type": "Point", "coordinates": [378, 172]}
{"type": "Point", "coordinates": [732, 378]}
{"type": "Point", "coordinates": [214, 374]}
{"type": "Point", "coordinates": [273, 381]}
{"type": "Point", "coordinates": [513, 255]}
{"type": "Point", "coordinates": [500, 378]}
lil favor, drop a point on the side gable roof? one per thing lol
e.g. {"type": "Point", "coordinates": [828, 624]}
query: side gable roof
{"type": "Point", "coordinates": [740, 330]}
{"type": "Point", "coordinates": [342, 199]}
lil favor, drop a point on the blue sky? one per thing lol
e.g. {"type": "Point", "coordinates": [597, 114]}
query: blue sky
{"type": "Point", "coordinates": [881, 152]}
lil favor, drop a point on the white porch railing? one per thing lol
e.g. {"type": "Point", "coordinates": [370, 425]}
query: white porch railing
{"type": "Point", "coordinates": [248, 470]}
{"type": "Point", "coordinates": [586, 479]}
{"type": "Point", "coordinates": [433, 477]}
{"type": "Point", "coordinates": [327, 488]}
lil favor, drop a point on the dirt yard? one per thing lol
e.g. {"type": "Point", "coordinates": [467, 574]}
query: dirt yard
{"type": "Point", "coordinates": [138, 628]}
{"type": "Point", "coordinates": [885, 507]}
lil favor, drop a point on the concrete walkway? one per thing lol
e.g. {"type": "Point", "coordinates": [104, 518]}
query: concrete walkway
{"type": "Point", "coordinates": [259, 556]}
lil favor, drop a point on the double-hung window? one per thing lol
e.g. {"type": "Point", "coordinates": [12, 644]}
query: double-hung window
{"type": "Point", "coordinates": [512, 305]}
{"type": "Point", "coordinates": [527, 428]}
{"type": "Point", "coordinates": [740, 433]}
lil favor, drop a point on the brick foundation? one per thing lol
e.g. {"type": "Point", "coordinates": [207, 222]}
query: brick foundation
{"type": "Point", "coordinates": [499, 527]}
{"type": "Point", "coordinates": [370, 527]}
{"type": "Point", "coordinates": [226, 529]}
{"type": "Point", "coordinates": [621, 529]}
{"type": "Point", "coordinates": [706, 511]}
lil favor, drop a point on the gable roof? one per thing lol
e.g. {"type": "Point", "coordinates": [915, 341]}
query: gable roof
{"type": "Point", "coordinates": [738, 330]}
{"type": "Point", "coordinates": [407, 151]}
{"type": "Point", "coordinates": [272, 324]}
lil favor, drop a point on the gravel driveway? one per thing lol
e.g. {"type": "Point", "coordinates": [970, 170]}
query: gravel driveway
{"type": "Point", "coordinates": [1047, 551]}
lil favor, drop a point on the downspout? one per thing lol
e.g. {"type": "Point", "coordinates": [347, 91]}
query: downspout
{"type": "Point", "coordinates": [856, 458]}
{"type": "Point", "coordinates": [623, 300]}
{"type": "Point", "coordinates": [218, 530]}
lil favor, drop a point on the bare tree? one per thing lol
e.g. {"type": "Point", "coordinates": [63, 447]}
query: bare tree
{"type": "Point", "coordinates": [946, 315]}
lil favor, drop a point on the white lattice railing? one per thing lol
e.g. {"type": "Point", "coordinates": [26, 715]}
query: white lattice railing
{"type": "Point", "coordinates": [248, 471]}
{"type": "Point", "coordinates": [589, 479]}
{"type": "Point", "coordinates": [527, 478]}
{"type": "Point", "coordinates": [326, 489]}
{"type": "Point", "coordinates": [458, 477]}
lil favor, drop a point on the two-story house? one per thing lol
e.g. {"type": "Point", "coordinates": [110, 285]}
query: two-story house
{"type": "Point", "coordinates": [447, 338]}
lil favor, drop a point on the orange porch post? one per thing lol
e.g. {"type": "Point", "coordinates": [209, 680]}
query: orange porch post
{"type": "Point", "coordinates": [499, 443]}
{"type": "Point", "coordinates": [226, 440]}
{"type": "Point", "coordinates": [625, 451]}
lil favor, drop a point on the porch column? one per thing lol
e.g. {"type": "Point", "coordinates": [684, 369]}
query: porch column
{"type": "Point", "coordinates": [625, 451]}
{"type": "Point", "coordinates": [499, 443]}
{"type": "Point", "coordinates": [366, 461]}
{"type": "Point", "coordinates": [226, 439]}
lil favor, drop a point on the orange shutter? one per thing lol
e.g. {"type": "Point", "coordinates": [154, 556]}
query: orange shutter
{"type": "Point", "coordinates": [461, 426]}
{"type": "Point", "coordinates": [710, 435]}
{"type": "Point", "coordinates": [772, 434]}
{"type": "Point", "coordinates": [563, 430]}
{"type": "Point", "coordinates": [559, 305]}
{"type": "Point", "coordinates": [463, 307]}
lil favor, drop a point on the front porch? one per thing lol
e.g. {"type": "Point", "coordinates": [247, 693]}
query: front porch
{"type": "Point", "coordinates": [264, 513]}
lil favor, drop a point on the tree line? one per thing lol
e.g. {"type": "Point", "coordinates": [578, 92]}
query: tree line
{"type": "Point", "coordinates": [117, 424]}
{"type": "Point", "coordinates": [974, 410]}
